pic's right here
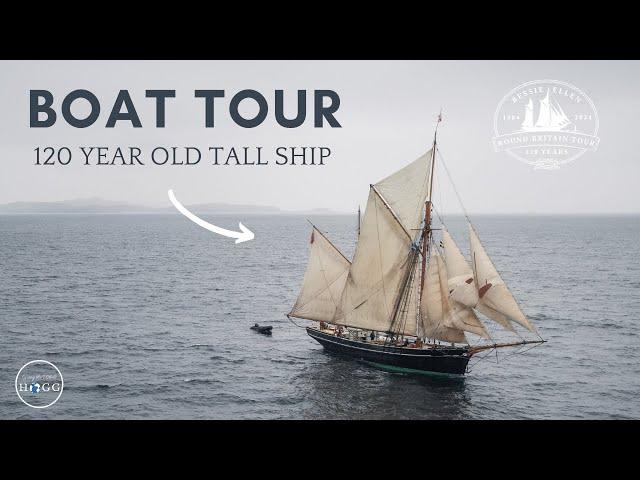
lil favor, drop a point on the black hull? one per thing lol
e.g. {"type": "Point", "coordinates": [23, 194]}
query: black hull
{"type": "Point", "coordinates": [449, 360]}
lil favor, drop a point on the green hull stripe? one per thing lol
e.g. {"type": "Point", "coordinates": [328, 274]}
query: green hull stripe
{"type": "Point", "coordinates": [392, 368]}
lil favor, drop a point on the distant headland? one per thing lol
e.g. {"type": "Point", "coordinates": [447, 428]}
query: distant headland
{"type": "Point", "coordinates": [96, 205]}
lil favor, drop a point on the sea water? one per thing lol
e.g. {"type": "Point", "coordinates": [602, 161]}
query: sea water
{"type": "Point", "coordinates": [148, 316]}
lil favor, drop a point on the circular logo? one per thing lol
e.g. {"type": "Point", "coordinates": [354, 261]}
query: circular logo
{"type": "Point", "coordinates": [545, 123]}
{"type": "Point", "coordinates": [39, 384]}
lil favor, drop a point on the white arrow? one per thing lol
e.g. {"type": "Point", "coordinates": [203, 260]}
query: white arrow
{"type": "Point", "coordinates": [243, 236]}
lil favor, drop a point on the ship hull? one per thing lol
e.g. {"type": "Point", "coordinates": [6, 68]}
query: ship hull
{"type": "Point", "coordinates": [447, 360]}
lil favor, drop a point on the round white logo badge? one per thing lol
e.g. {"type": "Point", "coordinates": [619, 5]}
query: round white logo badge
{"type": "Point", "coordinates": [546, 123]}
{"type": "Point", "coordinates": [39, 384]}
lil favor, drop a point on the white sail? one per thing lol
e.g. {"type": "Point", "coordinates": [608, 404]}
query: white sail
{"type": "Point", "coordinates": [551, 117]}
{"type": "Point", "coordinates": [544, 114]}
{"type": "Point", "coordinates": [462, 290]}
{"type": "Point", "coordinates": [495, 300]}
{"type": "Point", "coordinates": [495, 316]}
{"type": "Point", "coordinates": [527, 123]}
{"type": "Point", "coordinates": [461, 285]}
{"type": "Point", "coordinates": [408, 316]}
{"type": "Point", "coordinates": [379, 265]}
{"type": "Point", "coordinates": [406, 190]}
{"type": "Point", "coordinates": [323, 280]}
{"type": "Point", "coordinates": [436, 311]}
{"type": "Point", "coordinates": [559, 119]}
{"type": "Point", "coordinates": [463, 318]}
{"type": "Point", "coordinates": [382, 257]}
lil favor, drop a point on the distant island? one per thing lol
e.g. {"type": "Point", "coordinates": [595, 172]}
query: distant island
{"type": "Point", "coordinates": [97, 205]}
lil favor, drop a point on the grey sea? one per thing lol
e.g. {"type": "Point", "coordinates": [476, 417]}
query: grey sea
{"type": "Point", "coordinates": [148, 316]}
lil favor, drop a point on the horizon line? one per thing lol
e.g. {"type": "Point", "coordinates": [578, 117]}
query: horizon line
{"type": "Point", "coordinates": [337, 213]}
{"type": "Point", "coordinates": [140, 209]}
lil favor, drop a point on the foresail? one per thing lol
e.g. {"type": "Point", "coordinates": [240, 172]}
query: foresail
{"type": "Point", "coordinates": [379, 266]}
{"type": "Point", "coordinates": [435, 309]}
{"type": "Point", "coordinates": [461, 284]}
{"type": "Point", "coordinates": [323, 280]}
{"type": "Point", "coordinates": [463, 318]}
{"type": "Point", "coordinates": [495, 300]}
{"type": "Point", "coordinates": [461, 287]}
{"type": "Point", "coordinates": [495, 316]}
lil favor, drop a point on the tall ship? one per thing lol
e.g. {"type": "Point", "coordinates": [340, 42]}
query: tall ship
{"type": "Point", "coordinates": [408, 300]}
{"type": "Point", "coordinates": [551, 116]}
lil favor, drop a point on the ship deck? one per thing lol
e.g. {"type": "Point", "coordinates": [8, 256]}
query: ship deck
{"type": "Point", "coordinates": [428, 358]}
{"type": "Point", "coordinates": [381, 344]}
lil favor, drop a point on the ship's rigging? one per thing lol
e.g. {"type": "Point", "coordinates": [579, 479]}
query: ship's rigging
{"type": "Point", "coordinates": [400, 282]}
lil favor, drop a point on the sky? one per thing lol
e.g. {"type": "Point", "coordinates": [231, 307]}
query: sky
{"type": "Point", "coordinates": [388, 111]}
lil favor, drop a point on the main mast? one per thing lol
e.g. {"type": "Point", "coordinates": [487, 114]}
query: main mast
{"type": "Point", "coordinates": [426, 229]}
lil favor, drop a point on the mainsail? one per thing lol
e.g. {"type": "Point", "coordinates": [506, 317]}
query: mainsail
{"type": "Point", "coordinates": [323, 280]}
{"type": "Point", "coordinates": [384, 255]}
{"type": "Point", "coordinates": [494, 298]}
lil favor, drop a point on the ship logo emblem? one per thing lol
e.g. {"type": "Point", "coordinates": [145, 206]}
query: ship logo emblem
{"type": "Point", "coordinates": [546, 123]}
{"type": "Point", "coordinates": [39, 384]}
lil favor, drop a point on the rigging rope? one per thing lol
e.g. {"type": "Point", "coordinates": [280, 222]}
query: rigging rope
{"type": "Point", "coordinates": [433, 245]}
{"type": "Point", "coordinates": [519, 351]}
{"type": "Point", "coordinates": [439, 216]}
{"type": "Point", "coordinates": [464, 210]}
{"type": "Point", "coordinates": [439, 186]}
{"type": "Point", "coordinates": [466, 216]}
{"type": "Point", "coordinates": [469, 367]}
{"type": "Point", "coordinates": [299, 326]}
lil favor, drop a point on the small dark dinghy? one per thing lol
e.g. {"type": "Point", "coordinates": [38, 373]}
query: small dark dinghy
{"type": "Point", "coordinates": [265, 330]}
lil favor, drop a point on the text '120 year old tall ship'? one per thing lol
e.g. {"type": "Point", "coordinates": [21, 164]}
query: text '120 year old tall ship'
{"type": "Point", "coordinates": [406, 301]}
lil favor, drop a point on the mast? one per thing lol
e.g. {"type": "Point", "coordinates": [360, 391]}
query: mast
{"type": "Point", "coordinates": [386, 251]}
{"type": "Point", "coordinates": [426, 229]}
{"type": "Point", "coordinates": [359, 217]}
